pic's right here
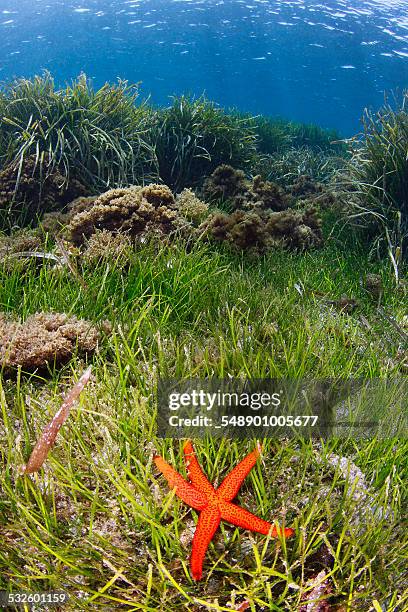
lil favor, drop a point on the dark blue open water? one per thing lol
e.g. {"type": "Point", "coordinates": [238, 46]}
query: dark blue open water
{"type": "Point", "coordinates": [319, 62]}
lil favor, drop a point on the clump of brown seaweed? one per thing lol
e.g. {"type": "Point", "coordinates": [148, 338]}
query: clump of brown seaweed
{"type": "Point", "coordinates": [241, 228]}
{"type": "Point", "coordinates": [226, 184]}
{"type": "Point", "coordinates": [298, 229]}
{"type": "Point", "coordinates": [26, 192]}
{"type": "Point", "coordinates": [133, 211]}
{"type": "Point", "coordinates": [263, 213]}
{"type": "Point", "coordinates": [267, 195]}
{"type": "Point", "coordinates": [109, 225]}
{"type": "Point", "coordinates": [20, 241]}
{"type": "Point", "coordinates": [44, 339]}
{"type": "Point", "coordinates": [104, 245]}
{"type": "Point", "coordinates": [304, 186]}
{"type": "Point", "coordinates": [264, 229]}
{"type": "Point", "coordinates": [191, 207]}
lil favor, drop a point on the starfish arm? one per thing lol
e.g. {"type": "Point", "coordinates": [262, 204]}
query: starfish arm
{"type": "Point", "coordinates": [189, 494]}
{"type": "Point", "coordinates": [243, 518]}
{"type": "Point", "coordinates": [231, 484]}
{"type": "Point", "coordinates": [207, 525]}
{"type": "Point", "coordinates": [195, 473]}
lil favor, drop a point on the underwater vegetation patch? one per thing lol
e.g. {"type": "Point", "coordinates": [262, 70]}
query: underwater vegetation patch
{"type": "Point", "coordinates": [44, 340]}
{"type": "Point", "coordinates": [53, 139]}
{"type": "Point", "coordinates": [286, 165]}
{"type": "Point", "coordinates": [260, 212]}
{"type": "Point", "coordinates": [246, 213]}
{"type": "Point", "coordinates": [153, 211]}
{"type": "Point", "coordinates": [57, 144]}
{"type": "Point", "coordinates": [133, 211]}
{"type": "Point", "coordinates": [193, 137]}
{"type": "Point", "coordinates": [95, 136]}
{"type": "Point", "coordinates": [28, 190]}
{"type": "Point", "coordinates": [230, 186]}
{"type": "Point", "coordinates": [379, 173]}
{"type": "Point", "coordinates": [277, 135]}
{"type": "Point", "coordinates": [263, 230]}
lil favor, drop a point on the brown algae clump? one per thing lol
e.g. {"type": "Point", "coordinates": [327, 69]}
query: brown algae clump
{"type": "Point", "coordinates": [250, 229]}
{"type": "Point", "coordinates": [263, 213]}
{"type": "Point", "coordinates": [244, 230]}
{"type": "Point", "coordinates": [134, 211]}
{"type": "Point", "coordinates": [158, 195]}
{"type": "Point", "coordinates": [304, 186]}
{"type": "Point", "coordinates": [26, 191]}
{"type": "Point", "coordinates": [21, 241]}
{"type": "Point", "coordinates": [267, 195]}
{"type": "Point", "coordinates": [229, 185]}
{"type": "Point", "coordinates": [44, 339]}
{"type": "Point", "coordinates": [297, 229]}
{"type": "Point", "coordinates": [224, 183]}
{"type": "Point", "coordinates": [191, 207]}
{"type": "Point", "coordinates": [104, 245]}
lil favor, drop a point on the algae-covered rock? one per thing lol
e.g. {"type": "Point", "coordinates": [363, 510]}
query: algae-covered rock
{"type": "Point", "coordinates": [158, 195]}
{"type": "Point", "coordinates": [44, 339]}
{"type": "Point", "coordinates": [80, 204]}
{"type": "Point", "coordinates": [228, 185]}
{"type": "Point", "coordinates": [20, 241]}
{"type": "Point", "coordinates": [266, 195]}
{"type": "Point", "coordinates": [297, 229]}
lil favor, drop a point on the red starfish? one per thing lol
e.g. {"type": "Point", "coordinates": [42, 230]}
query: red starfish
{"type": "Point", "coordinates": [214, 504]}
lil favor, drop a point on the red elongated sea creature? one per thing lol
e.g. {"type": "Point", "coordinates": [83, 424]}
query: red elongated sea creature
{"type": "Point", "coordinates": [50, 432]}
{"type": "Point", "coordinates": [214, 505]}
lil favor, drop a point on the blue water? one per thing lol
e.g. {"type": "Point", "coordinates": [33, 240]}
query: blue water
{"type": "Point", "coordinates": [319, 62]}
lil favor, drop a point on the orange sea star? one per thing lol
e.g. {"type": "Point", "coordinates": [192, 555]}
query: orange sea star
{"type": "Point", "coordinates": [214, 505]}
